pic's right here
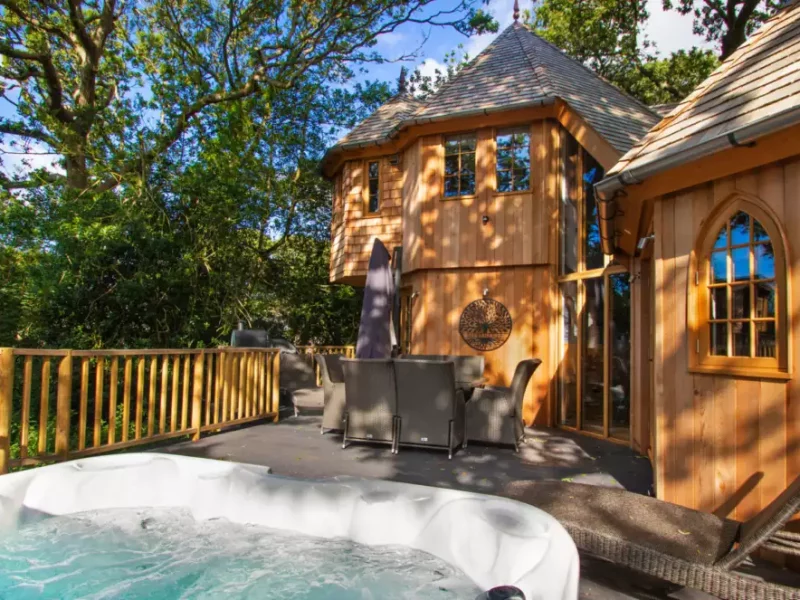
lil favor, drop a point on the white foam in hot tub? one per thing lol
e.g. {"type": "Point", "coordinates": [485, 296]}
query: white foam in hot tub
{"type": "Point", "coordinates": [494, 541]}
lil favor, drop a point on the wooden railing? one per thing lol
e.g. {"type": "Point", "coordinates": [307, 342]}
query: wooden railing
{"type": "Point", "coordinates": [62, 404]}
{"type": "Point", "coordinates": [347, 351]}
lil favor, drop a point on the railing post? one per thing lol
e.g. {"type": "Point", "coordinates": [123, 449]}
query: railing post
{"type": "Point", "coordinates": [197, 395]}
{"type": "Point", "coordinates": [276, 385]}
{"type": "Point", "coordinates": [6, 399]}
{"type": "Point", "coordinates": [63, 404]}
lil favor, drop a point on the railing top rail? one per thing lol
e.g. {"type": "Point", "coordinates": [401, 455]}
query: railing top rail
{"type": "Point", "coordinates": [134, 352]}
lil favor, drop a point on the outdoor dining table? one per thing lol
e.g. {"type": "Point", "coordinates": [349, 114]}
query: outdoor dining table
{"type": "Point", "coordinates": [468, 387]}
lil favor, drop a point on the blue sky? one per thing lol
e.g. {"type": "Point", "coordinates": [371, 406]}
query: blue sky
{"type": "Point", "coordinates": [669, 30]}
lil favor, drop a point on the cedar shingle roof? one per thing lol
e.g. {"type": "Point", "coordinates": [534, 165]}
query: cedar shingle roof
{"type": "Point", "coordinates": [378, 126]}
{"type": "Point", "coordinates": [759, 81]}
{"type": "Point", "coordinates": [518, 68]}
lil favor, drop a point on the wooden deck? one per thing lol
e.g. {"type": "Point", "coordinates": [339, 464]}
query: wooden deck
{"type": "Point", "coordinates": [294, 447]}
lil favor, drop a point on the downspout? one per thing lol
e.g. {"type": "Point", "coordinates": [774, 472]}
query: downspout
{"type": "Point", "coordinates": [610, 189]}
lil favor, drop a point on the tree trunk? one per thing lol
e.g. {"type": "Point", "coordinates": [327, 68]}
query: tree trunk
{"type": "Point", "coordinates": [77, 173]}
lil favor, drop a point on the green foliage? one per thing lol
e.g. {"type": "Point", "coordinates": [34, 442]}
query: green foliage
{"type": "Point", "coordinates": [603, 34]}
{"type": "Point", "coordinates": [728, 23]}
{"type": "Point", "coordinates": [668, 80]}
{"type": "Point", "coordinates": [607, 36]}
{"type": "Point", "coordinates": [111, 85]}
{"type": "Point", "coordinates": [423, 85]}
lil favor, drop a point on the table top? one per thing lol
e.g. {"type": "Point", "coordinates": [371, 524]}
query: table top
{"type": "Point", "coordinates": [475, 383]}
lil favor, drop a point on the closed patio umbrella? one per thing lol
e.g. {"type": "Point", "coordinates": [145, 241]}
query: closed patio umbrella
{"type": "Point", "coordinates": [375, 332]}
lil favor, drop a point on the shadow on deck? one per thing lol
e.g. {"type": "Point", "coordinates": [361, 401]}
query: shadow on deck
{"type": "Point", "coordinates": [295, 448]}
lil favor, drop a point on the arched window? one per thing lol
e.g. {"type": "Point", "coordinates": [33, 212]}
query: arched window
{"type": "Point", "coordinates": [740, 318]}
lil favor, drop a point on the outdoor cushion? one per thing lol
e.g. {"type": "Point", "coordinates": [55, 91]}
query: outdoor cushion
{"type": "Point", "coordinates": [616, 514]}
{"type": "Point", "coordinates": [308, 398]}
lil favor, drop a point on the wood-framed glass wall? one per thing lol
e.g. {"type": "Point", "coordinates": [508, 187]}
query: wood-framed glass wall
{"type": "Point", "coordinates": [594, 339]}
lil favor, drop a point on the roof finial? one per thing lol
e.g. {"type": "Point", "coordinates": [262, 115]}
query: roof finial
{"type": "Point", "coordinates": [516, 10]}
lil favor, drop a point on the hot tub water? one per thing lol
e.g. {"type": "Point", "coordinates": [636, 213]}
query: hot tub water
{"type": "Point", "coordinates": [162, 554]}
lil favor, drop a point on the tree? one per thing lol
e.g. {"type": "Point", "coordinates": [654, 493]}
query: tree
{"type": "Point", "coordinates": [423, 85]}
{"type": "Point", "coordinates": [669, 80]}
{"type": "Point", "coordinates": [728, 22]}
{"type": "Point", "coordinates": [607, 36]}
{"type": "Point", "coordinates": [111, 85]}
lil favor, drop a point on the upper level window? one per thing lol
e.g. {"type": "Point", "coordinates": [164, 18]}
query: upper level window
{"type": "Point", "coordinates": [459, 165]}
{"type": "Point", "coordinates": [740, 305]}
{"type": "Point", "coordinates": [513, 160]}
{"type": "Point", "coordinates": [373, 187]}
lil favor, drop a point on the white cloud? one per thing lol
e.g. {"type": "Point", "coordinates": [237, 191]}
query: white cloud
{"type": "Point", "coordinates": [429, 67]}
{"type": "Point", "coordinates": [391, 39]}
{"type": "Point", "coordinates": [671, 30]}
{"type": "Point", "coordinates": [503, 12]}
{"type": "Point", "coordinates": [19, 160]}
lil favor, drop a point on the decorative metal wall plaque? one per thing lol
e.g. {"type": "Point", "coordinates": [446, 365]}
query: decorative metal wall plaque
{"type": "Point", "coordinates": [485, 324]}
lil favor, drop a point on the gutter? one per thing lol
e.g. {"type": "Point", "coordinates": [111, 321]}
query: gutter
{"type": "Point", "coordinates": [473, 112]}
{"type": "Point", "coordinates": [742, 136]}
{"type": "Point", "coordinates": [609, 189]}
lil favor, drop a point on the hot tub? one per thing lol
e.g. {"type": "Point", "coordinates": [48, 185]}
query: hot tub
{"type": "Point", "coordinates": [487, 540]}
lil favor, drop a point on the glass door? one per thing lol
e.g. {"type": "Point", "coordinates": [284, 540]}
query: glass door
{"type": "Point", "coordinates": [593, 388]}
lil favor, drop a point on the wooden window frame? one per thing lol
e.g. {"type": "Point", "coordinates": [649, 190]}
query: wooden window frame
{"type": "Point", "coordinates": [444, 139]}
{"type": "Point", "coordinates": [525, 130]}
{"type": "Point", "coordinates": [700, 358]}
{"type": "Point", "coordinates": [365, 188]}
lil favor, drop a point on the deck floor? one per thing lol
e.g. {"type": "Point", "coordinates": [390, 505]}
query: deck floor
{"type": "Point", "coordinates": [294, 447]}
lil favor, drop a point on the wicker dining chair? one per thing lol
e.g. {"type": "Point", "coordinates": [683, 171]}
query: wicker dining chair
{"type": "Point", "coordinates": [332, 376]}
{"type": "Point", "coordinates": [494, 414]}
{"type": "Point", "coordinates": [370, 401]}
{"type": "Point", "coordinates": [430, 409]}
{"type": "Point", "coordinates": [687, 547]}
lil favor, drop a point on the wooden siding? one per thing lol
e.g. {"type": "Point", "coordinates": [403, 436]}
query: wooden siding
{"type": "Point", "coordinates": [713, 432]}
{"type": "Point", "coordinates": [525, 291]}
{"type": "Point", "coordinates": [450, 233]}
{"type": "Point", "coordinates": [353, 231]}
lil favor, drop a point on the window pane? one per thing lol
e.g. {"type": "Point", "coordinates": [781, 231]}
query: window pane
{"type": "Point", "coordinates": [522, 139]}
{"type": "Point", "coordinates": [722, 238]}
{"type": "Point", "coordinates": [741, 263]}
{"type": "Point", "coordinates": [568, 356]}
{"type": "Point", "coordinates": [765, 261]}
{"type": "Point", "coordinates": [468, 143]}
{"type": "Point", "coordinates": [719, 267]}
{"type": "Point", "coordinates": [741, 338]}
{"type": "Point", "coordinates": [373, 189]}
{"type": "Point", "coordinates": [374, 204]}
{"type": "Point", "coordinates": [620, 367]}
{"type": "Point", "coordinates": [504, 161]}
{"type": "Point", "coordinates": [450, 166]}
{"type": "Point", "coordinates": [740, 229]}
{"type": "Point", "coordinates": [467, 181]}
{"type": "Point", "coordinates": [373, 170]}
{"type": "Point", "coordinates": [593, 255]}
{"type": "Point", "coordinates": [451, 146]}
{"type": "Point", "coordinates": [740, 301]}
{"type": "Point", "coordinates": [765, 298]}
{"type": "Point", "coordinates": [522, 156]}
{"type": "Point", "coordinates": [759, 233]}
{"type": "Point", "coordinates": [719, 339]}
{"type": "Point", "coordinates": [503, 141]}
{"type": "Point", "coordinates": [592, 358]}
{"type": "Point", "coordinates": [504, 181]}
{"type": "Point", "coordinates": [522, 179]}
{"type": "Point", "coordinates": [765, 339]}
{"type": "Point", "coordinates": [568, 210]}
{"type": "Point", "coordinates": [719, 303]}
{"type": "Point", "coordinates": [451, 186]}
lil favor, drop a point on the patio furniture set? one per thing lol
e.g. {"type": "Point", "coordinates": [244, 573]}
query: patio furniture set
{"type": "Point", "coordinates": [431, 401]}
